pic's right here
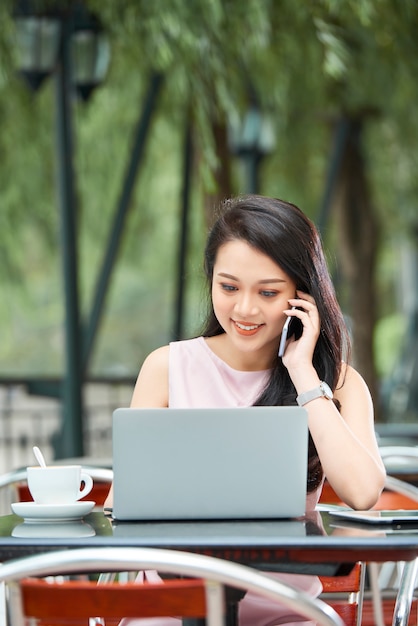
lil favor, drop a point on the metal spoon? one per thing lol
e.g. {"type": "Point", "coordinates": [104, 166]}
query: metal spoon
{"type": "Point", "coordinates": [39, 456]}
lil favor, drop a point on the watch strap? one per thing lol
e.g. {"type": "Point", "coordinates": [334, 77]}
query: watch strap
{"type": "Point", "coordinates": [322, 391]}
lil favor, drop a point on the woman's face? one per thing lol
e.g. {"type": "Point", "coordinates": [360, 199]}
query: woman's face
{"type": "Point", "coordinates": [249, 293]}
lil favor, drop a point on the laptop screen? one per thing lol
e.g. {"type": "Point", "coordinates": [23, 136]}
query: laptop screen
{"type": "Point", "coordinates": [234, 463]}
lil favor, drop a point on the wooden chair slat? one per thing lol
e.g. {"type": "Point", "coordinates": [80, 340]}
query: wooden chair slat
{"type": "Point", "coordinates": [77, 599]}
{"type": "Point", "coordinates": [340, 584]}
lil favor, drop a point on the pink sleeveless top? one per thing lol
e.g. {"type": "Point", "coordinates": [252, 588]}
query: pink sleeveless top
{"type": "Point", "coordinates": [199, 378]}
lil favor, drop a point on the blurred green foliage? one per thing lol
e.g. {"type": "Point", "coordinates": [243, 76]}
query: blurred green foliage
{"type": "Point", "coordinates": [309, 62]}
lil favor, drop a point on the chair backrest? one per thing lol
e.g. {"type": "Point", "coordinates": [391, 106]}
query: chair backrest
{"type": "Point", "coordinates": [345, 594]}
{"type": "Point", "coordinates": [218, 572]}
{"type": "Point", "coordinates": [71, 603]}
{"type": "Point", "coordinates": [399, 455]}
{"type": "Point", "coordinates": [397, 494]}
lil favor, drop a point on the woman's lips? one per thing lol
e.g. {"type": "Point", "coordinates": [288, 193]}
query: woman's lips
{"type": "Point", "coordinates": [244, 328]}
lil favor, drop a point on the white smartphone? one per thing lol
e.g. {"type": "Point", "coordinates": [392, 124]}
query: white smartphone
{"type": "Point", "coordinates": [284, 334]}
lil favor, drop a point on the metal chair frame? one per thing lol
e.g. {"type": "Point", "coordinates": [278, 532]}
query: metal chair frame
{"type": "Point", "coordinates": [345, 594]}
{"type": "Point", "coordinates": [407, 457]}
{"type": "Point", "coordinates": [408, 570]}
{"type": "Point", "coordinates": [220, 573]}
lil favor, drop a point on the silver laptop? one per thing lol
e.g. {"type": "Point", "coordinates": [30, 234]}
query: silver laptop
{"type": "Point", "coordinates": [205, 464]}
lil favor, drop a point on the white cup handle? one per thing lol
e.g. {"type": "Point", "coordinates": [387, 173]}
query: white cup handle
{"type": "Point", "coordinates": [88, 485]}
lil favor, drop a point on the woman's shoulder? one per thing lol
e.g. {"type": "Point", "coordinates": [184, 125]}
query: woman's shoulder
{"type": "Point", "coordinates": [158, 358]}
{"type": "Point", "coordinates": [151, 388]}
{"type": "Point", "coordinates": [186, 348]}
{"type": "Point", "coordinates": [186, 344]}
{"type": "Point", "coordinates": [349, 374]}
{"type": "Point", "coordinates": [350, 381]}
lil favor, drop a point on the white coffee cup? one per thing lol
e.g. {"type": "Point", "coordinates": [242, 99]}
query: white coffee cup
{"type": "Point", "coordinates": [58, 484]}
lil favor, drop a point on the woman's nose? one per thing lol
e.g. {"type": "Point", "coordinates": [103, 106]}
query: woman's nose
{"type": "Point", "coordinates": [246, 306]}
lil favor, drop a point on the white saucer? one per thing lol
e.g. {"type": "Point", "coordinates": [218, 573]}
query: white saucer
{"type": "Point", "coordinates": [62, 530]}
{"type": "Point", "coordinates": [32, 512]}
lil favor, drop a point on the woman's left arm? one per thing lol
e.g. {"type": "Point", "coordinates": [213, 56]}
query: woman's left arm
{"type": "Point", "coordinates": [346, 443]}
{"type": "Point", "coordinates": [345, 440]}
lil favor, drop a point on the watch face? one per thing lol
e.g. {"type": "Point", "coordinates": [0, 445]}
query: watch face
{"type": "Point", "coordinates": [327, 391]}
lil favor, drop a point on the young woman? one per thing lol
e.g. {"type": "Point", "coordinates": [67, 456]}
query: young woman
{"type": "Point", "coordinates": [264, 263]}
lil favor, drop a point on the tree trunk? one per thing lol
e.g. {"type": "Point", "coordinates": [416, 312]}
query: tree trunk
{"type": "Point", "coordinates": [222, 174]}
{"type": "Point", "coordinates": [357, 244]}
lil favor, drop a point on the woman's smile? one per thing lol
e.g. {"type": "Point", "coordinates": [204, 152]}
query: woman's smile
{"type": "Point", "coordinates": [244, 328]}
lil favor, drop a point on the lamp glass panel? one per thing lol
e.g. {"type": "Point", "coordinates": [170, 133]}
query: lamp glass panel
{"type": "Point", "coordinates": [90, 57]}
{"type": "Point", "coordinates": [251, 129]}
{"type": "Point", "coordinates": [37, 43]}
{"type": "Point", "coordinates": [103, 58]}
{"type": "Point", "coordinates": [267, 139]}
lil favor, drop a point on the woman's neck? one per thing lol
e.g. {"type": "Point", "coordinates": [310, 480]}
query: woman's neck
{"type": "Point", "coordinates": [238, 360]}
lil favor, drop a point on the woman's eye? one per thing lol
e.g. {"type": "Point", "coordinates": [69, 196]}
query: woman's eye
{"type": "Point", "coordinates": [268, 294]}
{"type": "Point", "coordinates": [228, 287]}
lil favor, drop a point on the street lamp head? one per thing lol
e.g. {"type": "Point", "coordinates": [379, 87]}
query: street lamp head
{"type": "Point", "coordinates": [37, 39]}
{"type": "Point", "coordinates": [41, 29]}
{"type": "Point", "coordinates": [90, 52]}
{"type": "Point", "coordinates": [251, 134]}
{"type": "Point", "coordinates": [90, 61]}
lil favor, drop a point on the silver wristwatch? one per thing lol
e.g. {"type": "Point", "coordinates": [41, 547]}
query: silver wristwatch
{"type": "Point", "coordinates": [322, 391]}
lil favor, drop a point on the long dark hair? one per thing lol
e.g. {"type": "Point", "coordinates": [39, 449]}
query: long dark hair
{"type": "Point", "coordinates": [280, 230]}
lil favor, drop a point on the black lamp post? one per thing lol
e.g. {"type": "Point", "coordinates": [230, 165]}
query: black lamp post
{"type": "Point", "coordinates": [251, 138]}
{"type": "Point", "coordinates": [68, 44]}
